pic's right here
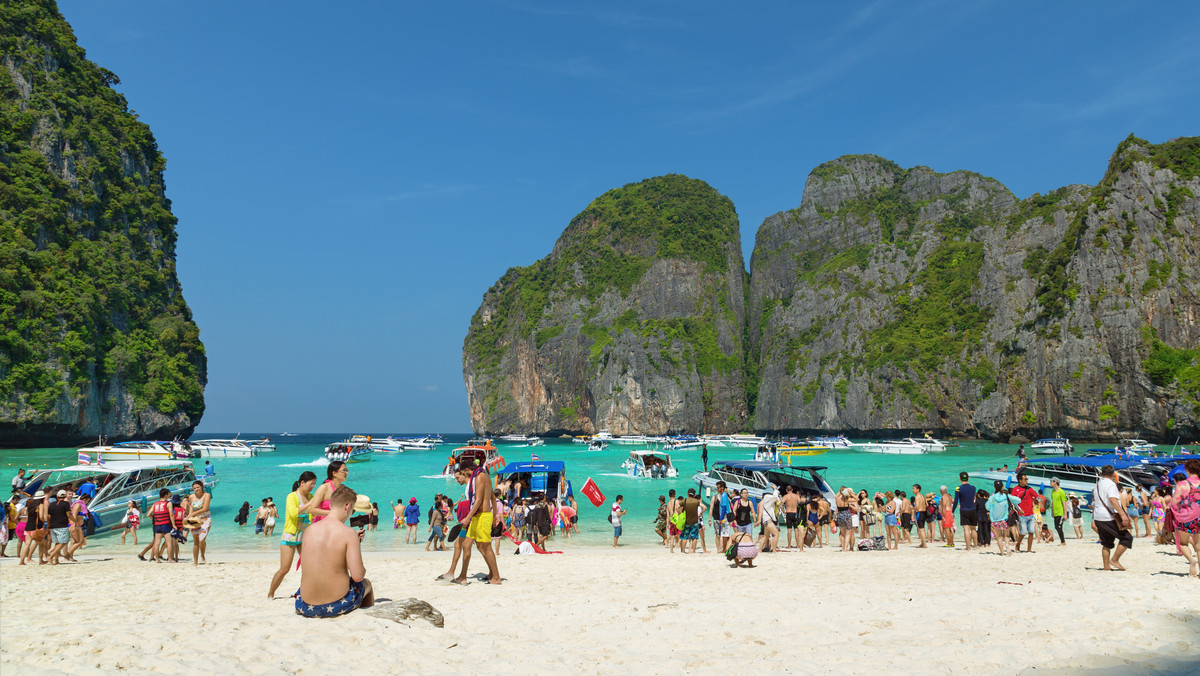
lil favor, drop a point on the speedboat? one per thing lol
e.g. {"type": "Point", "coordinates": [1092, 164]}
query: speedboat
{"type": "Point", "coordinates": [262, 445]}
{"type": "Point", "coordinates": [683, 443]}
{"type": "Point", "coordinates": [118, 483]}
{"type": "Point", "coordinates": [734, 440]}
{"type": "Point", "coordinates": [480, 450]}
{"type": "Point", "coordinates": [652, 464]}
{"type": "Point", "coordinates": [1077, 476]}
{"type": "Point", "coordinates": [515, 438]}
{"type": "Point", "coordinates": [930, 444]}
{"type": "Point", "coordinates": [1137, 445]}
{"type": "Point", "coordinates": [141, 450]}
{"type": "Point", "coordinates": [894, 447]}
{"type": "Point", "coordinates": [348, 452]}
{"type": "Point", "coordinates": [1056, 446]}
{"type": "Point", "coordinates": [840, 441]}
{"type": "Point", "coordinates": [385, 445]}
{"type": "Point", "coordinates": [597, 445]}
{"type": "Point", "coordinates": [528, 479]}
{"type": "Point", "coordinates": [788, 451]}
{"type": "Point", "coordinates": [223, 448]}
{"type": "Point", "coordinates": [602, 435]}
{"type": "Point", "coordinates": [760, 478]}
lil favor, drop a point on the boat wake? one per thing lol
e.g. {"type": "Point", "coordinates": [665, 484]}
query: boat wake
{"type": "Point", "coordinates": [319, 462]}
{"type": "Point", "coordinates": [434, 476]}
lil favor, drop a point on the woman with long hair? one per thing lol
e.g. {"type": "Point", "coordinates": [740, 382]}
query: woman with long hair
{"type": "Point", "coordinates": [296, 513]}
{"type": "Point", "coordinates": [1185, 507]}
{"type": "Point", "coordinates": [335, 476]}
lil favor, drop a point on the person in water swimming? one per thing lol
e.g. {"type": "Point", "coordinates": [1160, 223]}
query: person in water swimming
{"type": "Point", "coordinates": [333, 580]}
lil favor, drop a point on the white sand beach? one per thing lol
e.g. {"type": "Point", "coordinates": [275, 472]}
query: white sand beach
{"type": "Point", "coordinates": [641, 610]}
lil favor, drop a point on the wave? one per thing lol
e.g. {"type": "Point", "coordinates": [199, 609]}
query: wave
{"type": "Point", "coordinates": [434, 476]}
{"type": "Point", "coordinates": [319, 462]}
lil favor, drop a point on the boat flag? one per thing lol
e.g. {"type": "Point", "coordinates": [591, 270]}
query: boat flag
{"type": "Point", "coordinates": [84, 458]}
{"type": "Point", "coordinates": [533, 457]}
{"type": "Point", "coordinates": [592, 491]}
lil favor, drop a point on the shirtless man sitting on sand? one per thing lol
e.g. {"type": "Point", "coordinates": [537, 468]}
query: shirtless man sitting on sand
{"type": "Point", "coordinates": [332, 577]}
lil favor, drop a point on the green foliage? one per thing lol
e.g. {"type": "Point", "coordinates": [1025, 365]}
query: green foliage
{"type": "Point", "coordinates": [1108, 412]}
{"type": "Point", "coordinates": [941, 323]}
{"type": "Point", "coordinates": [547, 333]}
{"type": "Point", "coordinates": [810, 391]}
{"type": "Point", "coordinates": [87, 266]}
{"type": "Point", "coordinates": [1164, 364]}
{"type": "Point", "coordinates": [1029, 419]}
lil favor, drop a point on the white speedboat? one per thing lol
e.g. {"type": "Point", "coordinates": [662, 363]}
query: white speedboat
{"type": "Point", "coordinates": [348, 452]}
{"type": "Point", "coordinates": [1077, 476]}
{"type": "Point", "coordinates": [760, 478]}
{"type": "Point", "coordinates": [788, 451]}
{"type": "Point", "coordinates": [516, 439]}
{"type": "Point", "coordinates": [602, 435]}
{"type": "Point", "coordinates": [683, 443]}
{"type": "Point", "coordinates": [735, 440]}
{"type": "Point", "coordinates": [141, 450]}
{"type": "Point", "coordinates": [930, 444]}
{"type": "Point", "coordinates": [1056, 446]}
{"type": "Point", "coordinates": [120, 482]}
{"type": "Point", "coordinates": [894, 447]}
{"type": "Point", "coordinates": [262, 445]}
{"type": "Point", "coordinates": [651, 464]}
{"type": "Point", "coordinates": [840, 441]}
{"type": "Point", "coordinates": [597, 445]}
{"type": "Point", "coordinates": [223, 448]}
{"type": "Point", "coordinates": [1138, 446]}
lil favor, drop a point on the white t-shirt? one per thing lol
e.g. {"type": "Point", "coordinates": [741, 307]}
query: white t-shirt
{"type": "Point", "coordinates": [768, 505]}
{"type": "Point", "coordinates": [1101, 507]}
{"type": "Point", "coordinates": [616, 515]}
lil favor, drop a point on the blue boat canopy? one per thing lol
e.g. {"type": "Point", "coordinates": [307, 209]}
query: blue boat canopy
{"type": "Point", "coordinates": [1088, 462]}
{"type": "Point", "coordinates": [538, 466]}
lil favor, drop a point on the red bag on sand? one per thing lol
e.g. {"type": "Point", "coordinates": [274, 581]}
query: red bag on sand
{"type": "Point", "coordinates": [592, 491]}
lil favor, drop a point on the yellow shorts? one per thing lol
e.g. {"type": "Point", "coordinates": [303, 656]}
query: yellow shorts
{"type": "Point", "coordinates": [480, 529]}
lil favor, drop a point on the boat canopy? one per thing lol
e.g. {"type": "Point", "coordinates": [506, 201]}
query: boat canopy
{"type": "Point", "coordinates": [120, 466]}
{"type": "Point", "coordinates": [533, 467]}
{"type": "Point", "coordinates": [1087, 462]}
{"type": "Point", "coordinates": [764, 465]}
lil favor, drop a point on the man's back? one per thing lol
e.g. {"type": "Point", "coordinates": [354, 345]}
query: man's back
{"type": "Point", "coordinates": [323, 568]}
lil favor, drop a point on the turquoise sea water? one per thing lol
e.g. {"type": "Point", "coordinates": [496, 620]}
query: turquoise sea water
{"type": "Point", "coordinates": [392, 476]}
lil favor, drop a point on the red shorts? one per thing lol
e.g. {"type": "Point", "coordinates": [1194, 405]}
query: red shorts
{"type": "Point", "coordinates": [674, 530]}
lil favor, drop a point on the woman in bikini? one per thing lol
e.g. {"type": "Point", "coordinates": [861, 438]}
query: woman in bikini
{"type": "Point", "coordinates": [335, 476]}
{"type": "Point", "coordinates": [1185, 507]}
{"type": "Point", "coordinates": [295, 517]}
{"type": "Point", "coordinates": [199, 503]}
{"type": "Point", "coordinates": [133, 519]}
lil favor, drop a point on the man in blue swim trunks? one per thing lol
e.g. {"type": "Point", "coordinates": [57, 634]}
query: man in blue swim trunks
{"type": "Point", "coordinates": [332, 576]}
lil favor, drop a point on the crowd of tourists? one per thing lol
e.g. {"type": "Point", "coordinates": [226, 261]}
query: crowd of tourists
{"type": "Point", "coordinates": [1013, 519]}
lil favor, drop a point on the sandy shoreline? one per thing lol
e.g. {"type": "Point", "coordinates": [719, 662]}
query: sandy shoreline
{"type": "Point", "coordinates": [597, 610]}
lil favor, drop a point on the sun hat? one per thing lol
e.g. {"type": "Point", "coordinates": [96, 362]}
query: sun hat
{"type": "Point", "coordinates": [363, 504]}
{"type": "Point", "coordinates": [412, 501]}
{"type": "Point", "coordinates": [39, 495]}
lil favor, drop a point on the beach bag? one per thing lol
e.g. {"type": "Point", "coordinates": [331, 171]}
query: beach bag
{"type": "Point", "coordinates": [866, 545]}
{"type": "Point", "coordinates": [810, 536]}
{"type": "Point", "coordinates": [678, 520]}
{"type": "Point", "coordinates": [879, 544]}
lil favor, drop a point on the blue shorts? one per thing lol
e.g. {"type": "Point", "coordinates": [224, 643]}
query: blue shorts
{"type": "Point", "coordinates": [435, 534]}
{"type": "Point", "coordinates": [352, 600]}
{"type": "Point", "coordinates": [616, 531]}
{"type": "Point", "coordinates": [890, 520]}
{"type": "Point", "coordinates": [748, 529]}
{"type": "Point", "coordinates": [1026, 524]}
{"type": "Point", "coordinates": [164, 529]}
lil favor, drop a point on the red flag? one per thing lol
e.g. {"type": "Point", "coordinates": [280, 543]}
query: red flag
{"type": "Point", "coordinates": [592, 491]}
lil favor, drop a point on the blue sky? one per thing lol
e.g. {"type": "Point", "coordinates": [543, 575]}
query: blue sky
{"type": "Point", "coordinates": [350, 178]}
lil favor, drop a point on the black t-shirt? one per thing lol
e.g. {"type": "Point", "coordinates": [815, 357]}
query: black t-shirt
{"type": "Point", "coordinates": [745, 513]}
{"type": "Point", "coordinates": [58, 512]}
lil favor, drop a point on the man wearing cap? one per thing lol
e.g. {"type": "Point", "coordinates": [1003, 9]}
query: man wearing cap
{"type": "Point", "coordinates": [1112, 524]}
{"type": "Point", "coordinates": [59, 522]}
{"type": "Point", "coordinates": [333, 579]}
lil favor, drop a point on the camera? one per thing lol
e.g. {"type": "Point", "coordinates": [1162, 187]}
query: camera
{"type": "Point", "coordinates": [360, 521]}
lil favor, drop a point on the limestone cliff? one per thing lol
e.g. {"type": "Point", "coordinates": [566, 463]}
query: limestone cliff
{"type": "Point", "coordinates": [633, 323]}
{"type": "Point", "coordinates": [95, 337]}
{"type": "Point", "coordinates": [904, 299]}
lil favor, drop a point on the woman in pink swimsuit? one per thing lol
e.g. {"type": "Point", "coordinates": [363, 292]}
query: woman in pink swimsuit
{"type": "Point", "coordinates": [335, 475]}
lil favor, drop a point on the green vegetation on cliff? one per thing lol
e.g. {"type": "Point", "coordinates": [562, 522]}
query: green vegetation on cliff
{"type": "Point", "coordinates": [611, 245]}
{"type": "Point", "coordinates": [87, 267]}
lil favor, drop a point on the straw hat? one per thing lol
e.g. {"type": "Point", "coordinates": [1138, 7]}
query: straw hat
{"type": "Point", "coordinates": [363, 504]}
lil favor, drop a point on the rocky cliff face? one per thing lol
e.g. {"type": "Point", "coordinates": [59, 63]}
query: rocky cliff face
{"type": "Point", "coordinates": [903, 299]}
{"type": "Point", "coordinates": [633, 323]}
{"type": "Point", "coordinates": [95, 337]}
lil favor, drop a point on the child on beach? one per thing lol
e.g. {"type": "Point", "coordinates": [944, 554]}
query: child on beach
{"type": "Point", "coordinates": [133, 518]}
{"type": "Point", "coordinates": [437, 525]}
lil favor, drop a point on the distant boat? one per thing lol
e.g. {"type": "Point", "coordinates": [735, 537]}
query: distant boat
{"type": "Point", "coordinates": [1055, 446]}
{"type": "Point", "coordinates": [223, 448]}
{"type": "Point", "coordinates": [840, 441]}
{"type": "Point", "coordinates": [894, 447]}
{"type": "Point", "coordinates": [651, 464]}
{"type": "Point", "coordinates": [346, 451]}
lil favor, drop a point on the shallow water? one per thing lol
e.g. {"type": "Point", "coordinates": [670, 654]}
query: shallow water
{"type": "Point", "coordinates": [389, 477]}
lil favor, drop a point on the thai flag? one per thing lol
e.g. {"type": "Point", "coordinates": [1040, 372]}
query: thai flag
{"type": "Point", "coordinates": [84, 458]}
{"type": "Point", "coordinates": [533, 457]}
